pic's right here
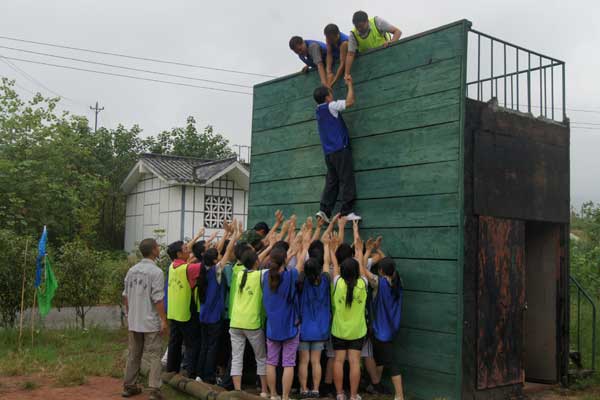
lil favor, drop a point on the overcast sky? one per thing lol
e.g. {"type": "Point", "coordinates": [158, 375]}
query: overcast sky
{"type": "Point", "coordinates": [252, 36]}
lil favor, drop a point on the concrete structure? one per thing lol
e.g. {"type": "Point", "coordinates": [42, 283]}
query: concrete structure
{"type": "Point", "coordinates": [172, 197]}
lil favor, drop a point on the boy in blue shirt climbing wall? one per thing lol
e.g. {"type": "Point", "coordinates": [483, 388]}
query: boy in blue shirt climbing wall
{"type": "Point", "coordinates": [338, 155]}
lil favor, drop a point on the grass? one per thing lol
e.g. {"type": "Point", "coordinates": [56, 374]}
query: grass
{"type": "Point", "coordinates": [29, 385]}
{"type": "Point", "coordinates": [68, 355]}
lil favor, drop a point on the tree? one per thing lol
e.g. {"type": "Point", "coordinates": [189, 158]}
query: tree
{"type": "Point", "coordinates": [82, 277]}
{"type": "Point", "coordinates": [188, 141]}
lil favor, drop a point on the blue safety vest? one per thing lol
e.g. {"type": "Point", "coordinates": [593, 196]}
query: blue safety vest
{"type": "Point", "coordinates": [211, 310]}
{"type": "Point", "coordinates": [307, 59]}
{"type": "Point", "coordinates": [281, 306]}
{"type": "Point", "coordinates": [315, 310]}
{"type": "Point", "coordinates": [335, 49]}
{"type": "Point", "coordinates": [387, 311]}
{"type": "Point", "coordinates": [332, 130]}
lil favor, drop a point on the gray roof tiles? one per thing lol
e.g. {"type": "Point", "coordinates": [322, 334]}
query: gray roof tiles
{"type": "Point", "coordinates": [185, 169]}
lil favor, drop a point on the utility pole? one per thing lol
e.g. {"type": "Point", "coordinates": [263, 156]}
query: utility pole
{"type": "Point", "coordinates": [96, 111]}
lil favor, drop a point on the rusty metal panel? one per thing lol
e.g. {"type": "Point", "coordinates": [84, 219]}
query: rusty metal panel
{"type": "Point", "coordinates": [500, 302]}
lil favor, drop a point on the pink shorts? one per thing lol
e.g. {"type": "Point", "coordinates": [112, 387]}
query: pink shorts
{"type": "Point", "coordinates": [287, 349]}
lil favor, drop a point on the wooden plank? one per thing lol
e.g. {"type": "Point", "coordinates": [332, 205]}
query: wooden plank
{"type": "Point", "coordinates": [422, 179]}
{"type": "Point", "coordinates": [500, 301]}
{"type": "Point", "coordinates": [423, 111]}
{"type": "Point", "coordinates": [427, 275]}
{"type": "Point", "coordinates": [429, 243]}
{"type": "Point", "coordinates": [424, 384]}
{"type": "Point", "coordinates": [421, 145]}
{"type": "Point", "coordinates": [434, 210]}
{"type": "Point", "coordinates": [430, 311]}
{"type": "Point", "coordinates": [424, 349]}
{"type": "Point", "coordinates": [417, 82]}
{"type": "Point", "coordinates": [403, 56]}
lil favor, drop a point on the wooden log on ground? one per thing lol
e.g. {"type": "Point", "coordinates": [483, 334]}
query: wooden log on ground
{"type": "Point", "coordinates": [198, 390]}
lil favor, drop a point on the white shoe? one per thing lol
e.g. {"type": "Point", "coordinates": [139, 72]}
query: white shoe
{"type": "Point", "coordinates": [353, 217]}
{"type": "Point", "coordinates": [264, 395]}
{"type": "Point", "coordinates": [323, 216]}
{"type": "Point", "coordinates": [198, 379]}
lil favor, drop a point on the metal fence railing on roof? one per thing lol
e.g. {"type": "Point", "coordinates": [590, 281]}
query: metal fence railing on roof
{"type": "Point", "coordinates": [518, 78]}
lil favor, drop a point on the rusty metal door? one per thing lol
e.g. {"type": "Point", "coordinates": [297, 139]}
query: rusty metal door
{"type": "Point", "coordinates": [500, 302]}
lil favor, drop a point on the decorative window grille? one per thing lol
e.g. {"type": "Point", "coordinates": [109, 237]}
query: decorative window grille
{"type": "Point", "coordinates": [217, 209]}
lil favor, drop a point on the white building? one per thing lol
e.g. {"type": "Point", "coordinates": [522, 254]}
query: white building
{"type": "Point", "coordinates": [170, 197]}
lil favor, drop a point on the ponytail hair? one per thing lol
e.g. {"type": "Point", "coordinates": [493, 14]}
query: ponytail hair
{"type": "Point", "coordinates": [209, 258]}
{"type": "Point", "coordinates": [312, 271]}
{"type": "Point", "coordinates": [350, 274]}
{"type": "Point", "coordinates": [249, 259]}
{"type": "Point", "coordinates": [277, 257]}
{"type": "Point", "coordinates": [387, 267]}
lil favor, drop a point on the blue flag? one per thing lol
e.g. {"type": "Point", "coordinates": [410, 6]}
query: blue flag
{"type": "Point", "coordinates": [40, 258]}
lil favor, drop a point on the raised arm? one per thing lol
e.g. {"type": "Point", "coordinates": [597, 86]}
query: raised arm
{"type": "Point", "coordinates": [322, 74]}
{"type": "Point", "coordinates": [349, 62]}
{"type": "Point", "coordinates": [211, 238]}
{"type": "Point", "coordinates": [329, 229]}
{"type": "Point", "coordinates": [226, 235]}
{"type": "Point", "coordinates": [329, 65]}
{"type": "Point", "coordinates": [301, 257]}
{"type": "Point", "coordinates": [292, 229]}
{"type": "Point", "coordinates": [359, 256]}
{"type": "Point", "coordinates": [276, 225]}
{"type": "Point", "coordinates": [229, 256]}
{"type": "Point", "coordinates": [341, 227]}
{"type": "Point", "coordinates": [317, 233]}
{"type": "Point", "coordinates": [195, 239]}
{"type": "Point", "coordinates": [326, 256]}
{"type": "Point", "coordinates": [341, 68]}
{"type": "Point", "coordinates": [335, 242]}
{"type": "Point", "coordinates": [350, 96]}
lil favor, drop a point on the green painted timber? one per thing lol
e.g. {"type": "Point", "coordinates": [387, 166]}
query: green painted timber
{"type": "Point", "coordinates": [406, 131]}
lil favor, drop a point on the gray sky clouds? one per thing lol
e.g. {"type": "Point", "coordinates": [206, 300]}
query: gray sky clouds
{"type": "Point", "coordinates": [253, 36]}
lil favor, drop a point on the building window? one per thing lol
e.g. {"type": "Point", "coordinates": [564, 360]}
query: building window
{"type": "Point", "coordinates": [216, 210]}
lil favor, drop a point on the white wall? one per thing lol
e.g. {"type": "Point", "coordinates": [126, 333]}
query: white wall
{"type": "Point", "coordinates": [154, 205]}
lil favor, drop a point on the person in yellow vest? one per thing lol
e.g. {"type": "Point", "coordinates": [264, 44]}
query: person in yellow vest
{"type": "Point", "coordinates": [349, 325]}
{"type": "Point", "coordinates": [247, 317]}
{"type": "Point", "coordinates": [368, 33]}
{"type": "Point", "coordinates": [182, 309]}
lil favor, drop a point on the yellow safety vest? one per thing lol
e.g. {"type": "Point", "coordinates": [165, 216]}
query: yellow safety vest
{"type": "Point", "coordinates": [179, 294]}
{"type": "Point", "coordinates": [246, 309]}
{"type": "Point", "coordinates": [373, 40]}
{"type": "Point", "coordinates": [349, 323]}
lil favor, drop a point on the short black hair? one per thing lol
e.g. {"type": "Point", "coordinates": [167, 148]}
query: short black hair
{"type": "Point", "coordinates": [262, 226]}
{"type": "Point", "coordinates": [174, 248]}
{"type": "Point", "coordinates": [320, 94]}
{"type": "Point", "coordinates": [281, 244]}
{"type": "Point", "coordinates": [146, 246]}
{"type": "Point", "coordinates": [239, 249]}
{"type": "Point", "coordinates": [331, 29]}
{"type": "Point", "coordinates": [344, 252]}
{"type": "Point", "coordinates": [198, 249]}
{"type": "Point", "coordinates": [295, 41]}
{"type": "Point", "coordinates": [360, 16]}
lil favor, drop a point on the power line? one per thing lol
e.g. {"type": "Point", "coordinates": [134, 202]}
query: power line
{"type": "Point", "coordinates": [28, 77]}
{"type": "Point", "coordinates": [137, 58]}
{"type": "Point", "coordinates": [126, 76]}
{"type": "Point", "coordinates": [124, 67]}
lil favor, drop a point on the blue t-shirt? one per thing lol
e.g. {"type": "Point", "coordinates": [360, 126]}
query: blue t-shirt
{"type": "Point", "coordinates": [281, 306]}
{"type": "Point", "coordinates": [315, 310]}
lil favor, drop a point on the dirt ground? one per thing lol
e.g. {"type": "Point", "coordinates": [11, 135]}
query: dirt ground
{"type": "Point", "coordinates": [37, 387]}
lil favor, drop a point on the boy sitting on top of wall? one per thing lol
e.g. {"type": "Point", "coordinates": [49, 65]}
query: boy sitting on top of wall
{"type": "Point", "coordinates": [338, 156]}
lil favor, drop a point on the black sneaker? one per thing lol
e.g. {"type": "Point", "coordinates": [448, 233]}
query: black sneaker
{"type": "Point", "coordinates": [130, 391]}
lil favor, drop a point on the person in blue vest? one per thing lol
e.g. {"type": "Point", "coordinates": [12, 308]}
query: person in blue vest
{"type": "Point", "coordinates": [338, 155]}
{"type": "Point", "coordinates": [337, 50]}
{"type": "Point", "coordinates": [387, 311]}
{"type": "Point", "coordinates": [312, 53]}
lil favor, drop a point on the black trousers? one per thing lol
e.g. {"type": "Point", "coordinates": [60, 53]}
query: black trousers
{"type": "Point", "coordinates": [188, 334]}
{"type": "Point", "coordinates": [207, 359]}
{"type": "Point", "coordinates": [339, 180]}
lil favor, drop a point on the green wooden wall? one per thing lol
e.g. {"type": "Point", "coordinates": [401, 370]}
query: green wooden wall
{"type": "Point", "coordinates": [406, 134]}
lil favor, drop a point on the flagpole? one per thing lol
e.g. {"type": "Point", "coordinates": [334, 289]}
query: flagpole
{"type": "Point", "coordinates": [23, 294]}
{"type": "Point", "coordinates": [33, 314]}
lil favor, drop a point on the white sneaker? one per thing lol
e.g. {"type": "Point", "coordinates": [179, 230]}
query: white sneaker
{"type": "Point", "coordinates": [353, 217]}
{"type": "Point", "coordinates": [198, 379]}
{"type": "Point", "coordinates": [323, 216]}
{"type": "Point", "coordinates": [264, 395]}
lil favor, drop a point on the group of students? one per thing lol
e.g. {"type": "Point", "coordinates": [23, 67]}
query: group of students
{"type": "Point", "coordinates": [341, 49]}
{"type": "Point", "coordinates": [286, 292]}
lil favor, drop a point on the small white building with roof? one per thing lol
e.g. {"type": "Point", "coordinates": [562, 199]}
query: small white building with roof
{"type": "Point", "coordinates": [171, 197]}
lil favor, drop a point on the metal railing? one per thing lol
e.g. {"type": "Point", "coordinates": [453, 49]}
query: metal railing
{"type": "Point", "coordinates": [581, 292]}
{"type": "Point", "coordinates": [510, 74]}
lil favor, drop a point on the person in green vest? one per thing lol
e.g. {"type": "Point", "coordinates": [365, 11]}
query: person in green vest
{"type": "Point", "coordinates": [247, 315]}
{"type": "Point", "coordinates": [368, 33]}
{"type": "Point", "coordinates": [182, 309]}
{"type": "Point", "coordinates": [349, 325]}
